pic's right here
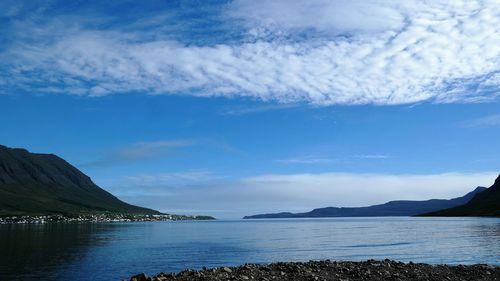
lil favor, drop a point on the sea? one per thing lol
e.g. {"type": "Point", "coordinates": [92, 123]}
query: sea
{"type": "Point", "coordinates": [116, 251]}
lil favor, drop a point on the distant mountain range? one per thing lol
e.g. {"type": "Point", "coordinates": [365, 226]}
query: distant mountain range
{"type": "Point", "coordinates": [486, 203]}
{"type": "Point", "coordinates": [32, 183]}
{"type": "Point", "coordinates": [392, 208]}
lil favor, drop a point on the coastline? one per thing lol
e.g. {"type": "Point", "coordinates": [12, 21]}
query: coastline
{"type": "Point", "coordinates": [331, 270]}
{"type": "Point", "coordinates": [97, 218]}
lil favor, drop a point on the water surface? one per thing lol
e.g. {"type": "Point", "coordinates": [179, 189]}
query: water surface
{"type": "Point", "coordinates": [115, 251]}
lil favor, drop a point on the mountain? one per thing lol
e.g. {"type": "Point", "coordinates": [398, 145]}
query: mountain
{"type": "Point", "coordinates": [32, 183]}
{"type": "Point", "coordinates": [486, 203]}
{"type": "Point", "coordinates": [392, 208]}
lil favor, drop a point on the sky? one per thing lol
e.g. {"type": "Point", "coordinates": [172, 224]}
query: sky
{"type": "Point", "coordinates": [232, 108]}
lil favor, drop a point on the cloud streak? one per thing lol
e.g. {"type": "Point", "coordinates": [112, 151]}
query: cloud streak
{"type": "Point", "coordinates": [257, 109]}
{"type": "Point", "coordinates": [311, 159]}
{"type": "Point", "coordinates": [159, 184]}
{"type": "Point", "coordinates": [307, 160]}
{"type": "Point", "coordinates": [138, 152]}
{"type": "Point", "coordinates": [487, 121]}
{"type": "Point", "coordinates": [335, 53]}
{"type": "Point", "coordinates": [373, 156]}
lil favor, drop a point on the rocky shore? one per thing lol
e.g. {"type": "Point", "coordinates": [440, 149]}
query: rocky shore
{"type": "Point", "coordinates": [111, 217]}
{"type": "Point", "coordinates": [338, 271]}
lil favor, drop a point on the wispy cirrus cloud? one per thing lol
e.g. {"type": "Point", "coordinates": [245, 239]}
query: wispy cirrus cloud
{"type": "Point", "coordinates": [318, 52]}
{"type": "Point", "coordinates": [138, 152]}
{"type": "Point", "coordinates": [373, 156]}
{"type": "Point", "coordinates": [313, 160]}
{"type": "Point", "coordinates": [152, 150]}
{"type": "Point", "coordinates": [257, 109]}
{"type": "Point", "coordinates": [486, 121]}
{"type": "Point", "coordinates": [306, 160]}
{"type": "Point", "coordinates": [171, 178]}
{"type": "Point", "coordinates": [159, 184]}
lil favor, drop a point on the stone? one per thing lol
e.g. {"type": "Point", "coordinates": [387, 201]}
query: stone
{"type": "Point", "coordinates": [325, 271]}
{"type": "Point", "coordinates": [141, 277]}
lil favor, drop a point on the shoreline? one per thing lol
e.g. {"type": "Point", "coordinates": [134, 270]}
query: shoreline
{"type": "Point", "coordinates": [332, 270]}
{"type": "Point", "coordinates": [97, 218]}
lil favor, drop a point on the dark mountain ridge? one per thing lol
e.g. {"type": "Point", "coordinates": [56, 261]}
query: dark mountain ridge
{"type": "Point", "coordinates": [392, 208]}
{"type": "Point", "coordinates": [484, 204]}
{"type": "Point", "coordinates": [35, 183]}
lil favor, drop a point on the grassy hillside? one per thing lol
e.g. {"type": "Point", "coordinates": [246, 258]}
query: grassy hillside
{"type": "Point", "coordinates": [33, 183]}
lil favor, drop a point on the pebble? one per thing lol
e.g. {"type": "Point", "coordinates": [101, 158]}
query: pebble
{"type": "Point", "coordinates": [331, 270]}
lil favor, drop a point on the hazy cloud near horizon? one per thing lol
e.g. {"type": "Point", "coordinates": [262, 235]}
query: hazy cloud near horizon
{"type": "Point", "coordinates": [200, 192]}
{"type": "Point", "coordinates": [317, 52]}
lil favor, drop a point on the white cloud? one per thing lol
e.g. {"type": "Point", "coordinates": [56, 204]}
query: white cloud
{"type": "Point", "coordinates": [393, 53]}
{"type": "Point", "coordinates": [331, 17]}
{"type": "Point", "coordinates": [298, 192]}
{"type": "Point", "coordinates": [487, 121]}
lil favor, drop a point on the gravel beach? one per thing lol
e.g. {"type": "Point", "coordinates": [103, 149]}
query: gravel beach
{"type": "Point", "coordinates": [331, 270]}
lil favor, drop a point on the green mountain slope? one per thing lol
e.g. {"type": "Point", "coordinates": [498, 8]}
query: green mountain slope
{"type": "Point", "coordinates": [33, 183]}
{"type": "Point", "coordinates": [486, 203]}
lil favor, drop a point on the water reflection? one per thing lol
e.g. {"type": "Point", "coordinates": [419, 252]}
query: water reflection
{"type": "Point", "coordinates": [117, 251]}
{"type": "Point", "coordinates": [38, 251]}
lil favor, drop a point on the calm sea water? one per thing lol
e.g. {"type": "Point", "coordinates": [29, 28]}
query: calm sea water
{"type": "Point", "coordinates": [118, 250]}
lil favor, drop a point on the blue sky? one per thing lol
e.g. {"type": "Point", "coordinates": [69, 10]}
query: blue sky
{"type": "Point", "coordinates": [232, 108]}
